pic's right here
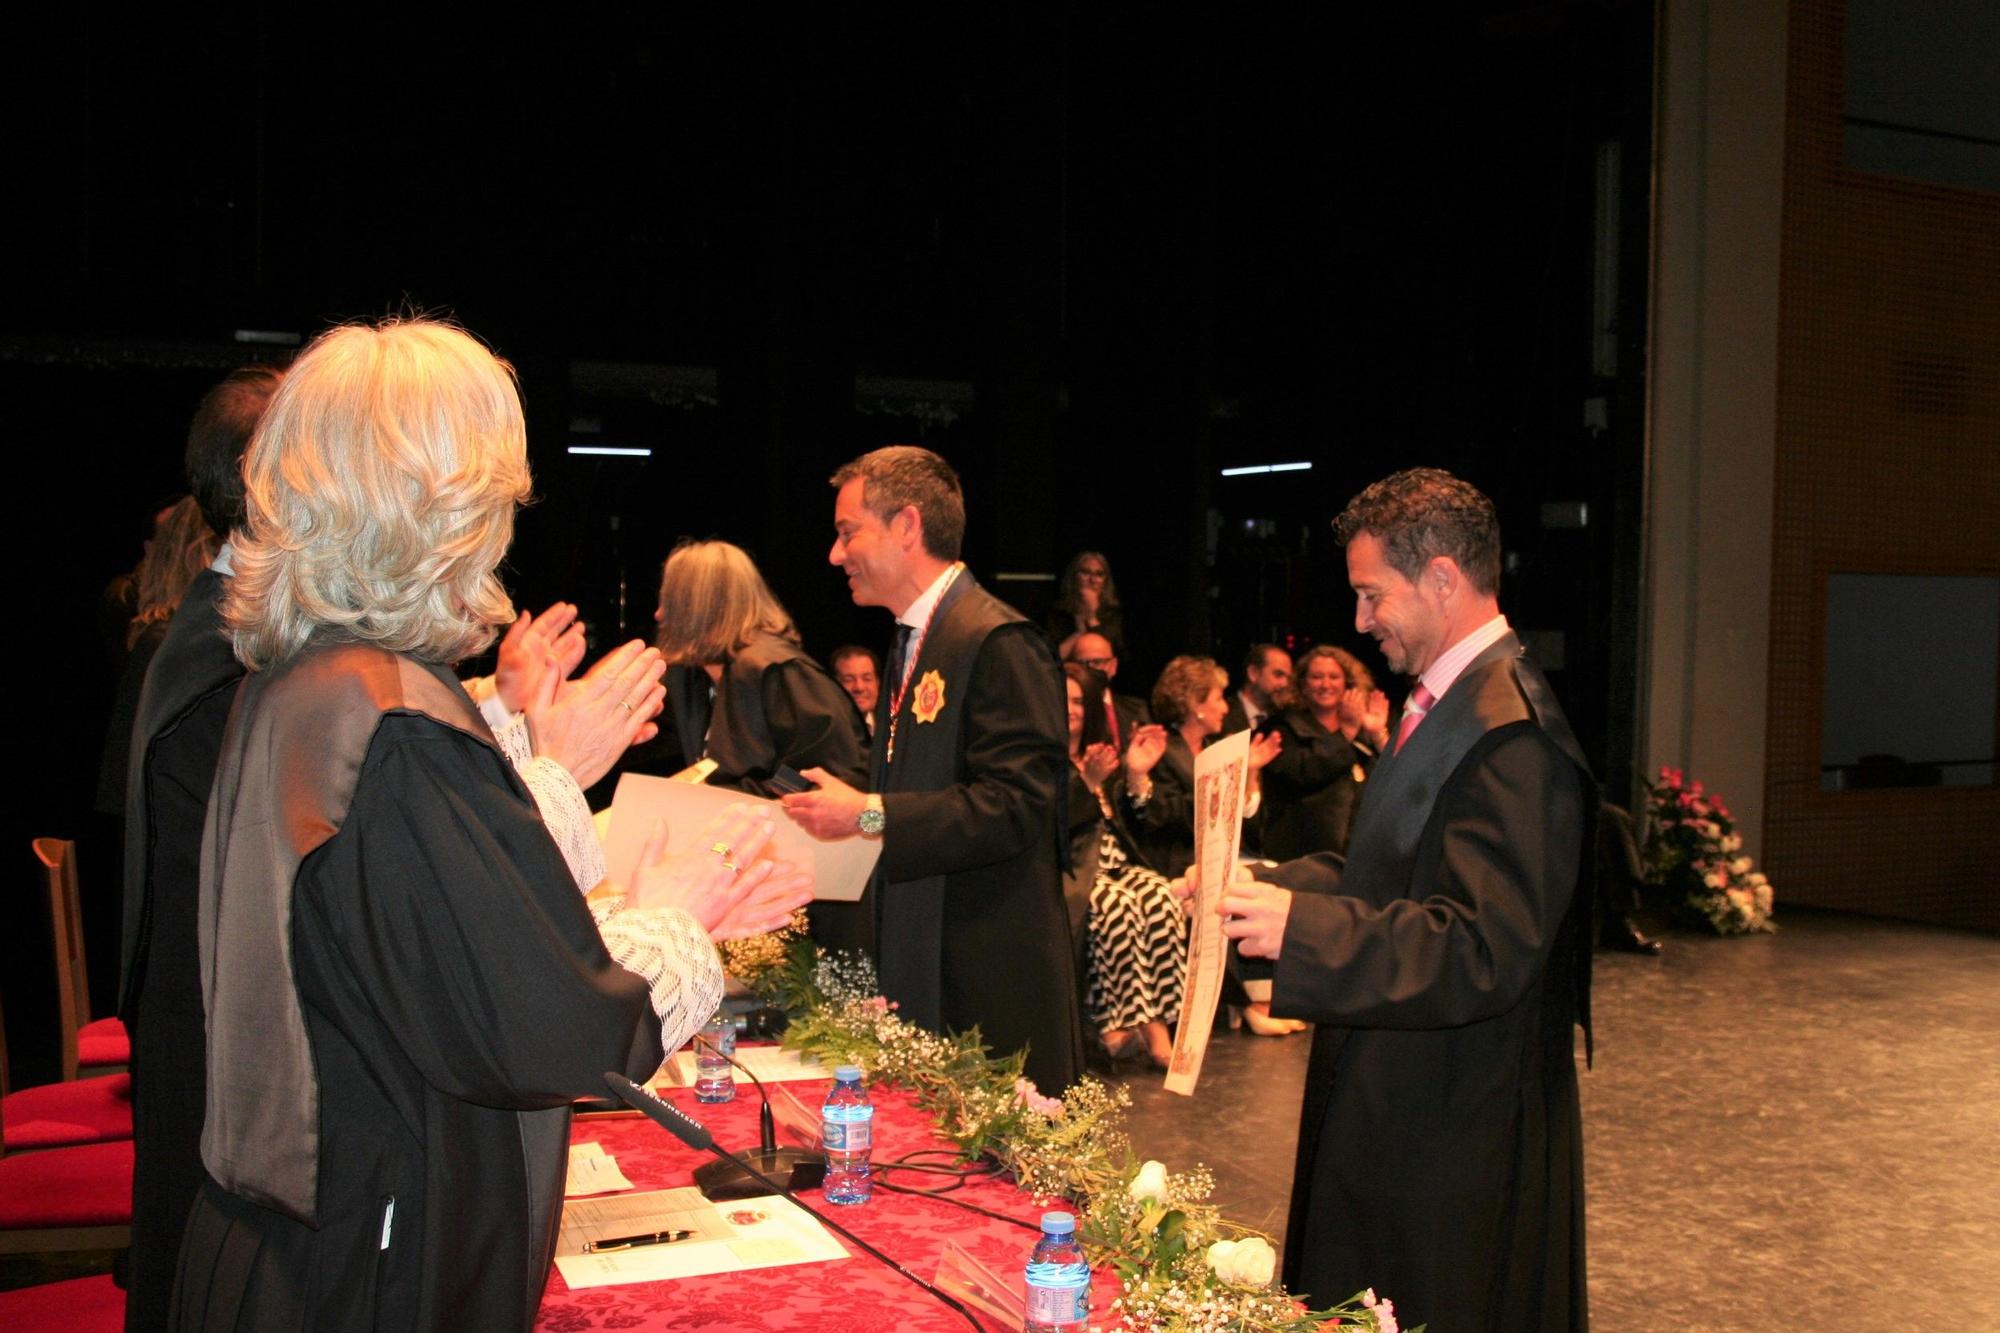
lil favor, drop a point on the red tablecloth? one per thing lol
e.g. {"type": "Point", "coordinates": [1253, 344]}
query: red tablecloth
{"type": "Point", "coordinates": [855, 1294]}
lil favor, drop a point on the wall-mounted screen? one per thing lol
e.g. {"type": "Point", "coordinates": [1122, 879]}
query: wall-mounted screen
{"type": "Point", "coordinates": [1912, 681]}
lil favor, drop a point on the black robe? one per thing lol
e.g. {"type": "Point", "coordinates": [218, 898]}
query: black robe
{"type": "Point", "coordinates": [967, 900]}
{"type": "Point", "coordinates": [774, 705]}
{"type": "Point", "coordinates": [455, 998]}
{"type": "Point", "coordinates": [1440, 1150]}
{"type": "Point", "coordinates": [1310, 789]}
{"type": "Point", "coordinates": [174, 741]}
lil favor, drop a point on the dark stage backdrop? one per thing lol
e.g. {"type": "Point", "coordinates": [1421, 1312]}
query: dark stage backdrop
{"type": "Point", "coordinates": [1094, 261]}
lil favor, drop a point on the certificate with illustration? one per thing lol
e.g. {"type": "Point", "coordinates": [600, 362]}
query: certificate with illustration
{"type": "Point", "coordinates": [1221, 775]}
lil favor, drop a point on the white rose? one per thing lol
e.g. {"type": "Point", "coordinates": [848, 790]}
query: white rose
{"type": "Point", "coordinates": [1150, 1183]}
{"type": "Point", "coordinates": [1741, 865]}
{"type": "Point", "coordinates": [1732, 843]}
{"type": "Point", "coordinates": [1245, 1263]}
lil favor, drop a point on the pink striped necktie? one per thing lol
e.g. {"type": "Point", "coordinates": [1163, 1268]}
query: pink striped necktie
{"type": "Point", "coordinates": [1419, 703]}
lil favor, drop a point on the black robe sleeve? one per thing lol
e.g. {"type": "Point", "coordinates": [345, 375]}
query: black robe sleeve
{"type": "Point", "coordinates": [453, 918]}
{"type": "Point", "coordinates": [1308, 762]}
{"type": "Point", "coordinates": [813, 725]}
{"type": "Point", "coordinates": [1164, 825]}
{"type": "Point", "coordinates": [1467, 942]}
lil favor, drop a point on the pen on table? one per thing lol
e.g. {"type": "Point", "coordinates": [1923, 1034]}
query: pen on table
{"type": "Point", "coordinates": [632, 1242]}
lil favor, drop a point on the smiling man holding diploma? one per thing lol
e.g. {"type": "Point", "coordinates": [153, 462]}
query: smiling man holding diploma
{"type": "Point", "coordinates": [1440, 1151]}
{"type": "Point", "coordinates": [969, 765]}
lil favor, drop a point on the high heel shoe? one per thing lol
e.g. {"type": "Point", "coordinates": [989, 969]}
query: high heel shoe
{"type": "Point", "coordinates": [1123, 1043]}
{"type": "Point", "coordinates": [1258, 1016]}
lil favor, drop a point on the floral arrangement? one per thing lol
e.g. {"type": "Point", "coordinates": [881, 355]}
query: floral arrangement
{"type": "Point", "coordinates": [1694, 852]}
{"type": "Point", "coordinates": [1183, 1266]}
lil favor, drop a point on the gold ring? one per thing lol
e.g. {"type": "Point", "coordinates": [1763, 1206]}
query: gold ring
{"type": "Point", "coordinates": [729, 865]}
{"type": "Point", "coordinates": [721, 849]}
{"type": "Point", "coordinates": [624, 705]}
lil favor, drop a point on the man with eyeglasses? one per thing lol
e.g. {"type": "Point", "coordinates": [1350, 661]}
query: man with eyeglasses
{"type": "Point", "coordinates": [1122, 712]}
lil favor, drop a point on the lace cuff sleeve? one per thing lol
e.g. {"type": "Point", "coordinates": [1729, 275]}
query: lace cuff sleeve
{"type": "Point", "coordinates": [556, 794]}
{"type": "Point", "coordinates": [568, 818]}
{"type": "Point", "coordinates": [673, 953]}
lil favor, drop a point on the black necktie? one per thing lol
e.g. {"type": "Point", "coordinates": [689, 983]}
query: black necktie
{"type": "Point", "coordinates": [899, 662]}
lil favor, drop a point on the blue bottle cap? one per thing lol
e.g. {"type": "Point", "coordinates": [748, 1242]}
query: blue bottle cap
{"type": "Point", "coordinates": [847, 1073]}
{"type": "Point", "coordinates": [1058, 1224]}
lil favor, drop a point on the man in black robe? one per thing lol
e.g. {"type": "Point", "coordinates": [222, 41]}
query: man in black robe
{"type": "Point", "coordinates": [969, 774]}
{"type": "Point", "coordinates": [175, 740]}
{"type": "Point", "coordinates": [1440, 1150]}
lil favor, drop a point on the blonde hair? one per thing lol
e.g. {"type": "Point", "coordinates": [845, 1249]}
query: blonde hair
{"type": "Point", "coordinates": [1358, 676]}
{"type": "Point", "coordinates": [712, 602]}
{"type": "Point", "coordinates": [181, 549]}
{"type": "Point", "coordinates": [1182, 686]}
{"type": "Point", "coordinates": [379, 494]}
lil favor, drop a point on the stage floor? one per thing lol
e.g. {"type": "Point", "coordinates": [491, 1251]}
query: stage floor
{"type": "Point", "coordinates": [1795, 1130]}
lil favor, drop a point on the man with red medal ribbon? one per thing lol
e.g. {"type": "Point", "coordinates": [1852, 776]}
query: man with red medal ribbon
{"type": "Point", "coordinates": [965, 918]}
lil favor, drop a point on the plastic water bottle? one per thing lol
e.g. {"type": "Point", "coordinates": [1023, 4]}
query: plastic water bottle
{"type": "Point", "coordinates": [847, 1132]}
{"type": "Point", "coordinates": [1058, 1279]}
{"type": "Point", "coordinates": [713, 1080]}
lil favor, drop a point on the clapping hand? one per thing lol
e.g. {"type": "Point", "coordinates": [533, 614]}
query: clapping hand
{"type": "Point", "coordinates": [724, 880]}
{"type": "Point", "coordinates": [1097, 763]}
{"type": "Point", "coordinates": [1149, 745]}
{"type": "Point", "coordinates": [1367, 711]}
{"type": "Point", "coordinates": [533, 646]}
{"type": "Point", "coordinates": [1264, 747]}
{"type": "Point", "coordinates": [584, 725]}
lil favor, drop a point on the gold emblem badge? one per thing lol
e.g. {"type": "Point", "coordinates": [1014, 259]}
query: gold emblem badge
{"type": "Point", "coordinates": [929, 700]}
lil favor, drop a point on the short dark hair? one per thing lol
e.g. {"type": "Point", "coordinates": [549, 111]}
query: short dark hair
{"type": "Point", "coordinates": [217, 437]}
{"type": "Point", "coordinates": [1425, 512]}
{"type": "Point", "coordinates": [905, 476]}
{"type": "Point", "coordinates": [1259, 654]}
{"type": "Point", "coordinates": [847, 650]}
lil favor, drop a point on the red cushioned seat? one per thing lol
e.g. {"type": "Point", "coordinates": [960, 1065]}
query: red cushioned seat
{"type": "Point", "coordinates": [90, 1186]}
{"type": "Point", "coordinates": [80, 1305]}
{"type": "Point", "coordinates": [103, 1042]}
{"type": "Point", "coordinates": [61, 1115]}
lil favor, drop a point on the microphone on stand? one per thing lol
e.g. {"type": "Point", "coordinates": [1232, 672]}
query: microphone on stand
{"type": "Point", "coordinates": [695, 1135]}
{"type": "Point", "coordinates": [798, 1168]}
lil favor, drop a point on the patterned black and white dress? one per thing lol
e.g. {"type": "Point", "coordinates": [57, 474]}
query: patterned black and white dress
{"type": "Point", "coordinates": [1138, 941]}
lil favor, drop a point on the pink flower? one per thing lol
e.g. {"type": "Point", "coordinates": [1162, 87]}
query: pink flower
{"type": "Point", "coordinates": [1031, 1097]}
{"type": "Point", "coordinates": [1695, 787]}
{"type": "Point", "coordinates": [1384, 1311]}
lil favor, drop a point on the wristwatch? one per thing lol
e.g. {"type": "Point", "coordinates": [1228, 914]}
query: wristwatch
{"type": "Point", "coordinates": [872, 819]}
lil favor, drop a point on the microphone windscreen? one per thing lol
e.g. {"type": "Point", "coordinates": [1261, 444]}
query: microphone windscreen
{"type": "Point", "coordinates": [669, 1117]}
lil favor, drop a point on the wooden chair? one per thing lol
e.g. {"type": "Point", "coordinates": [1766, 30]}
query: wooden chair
{"type": "Point", "coordinates": [62, 1115]}
{"type": "Point", "coordinates": [100, 1047]}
